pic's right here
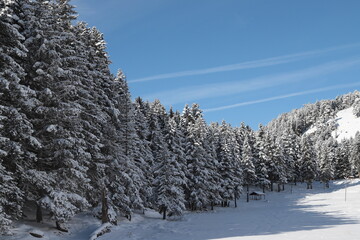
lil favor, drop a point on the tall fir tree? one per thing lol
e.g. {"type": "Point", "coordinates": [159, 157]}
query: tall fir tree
{"type": "Point", "coordinates": [308, 167]}
{"type": "Point", "coordinates": [247, 166]}
{"type": "Point", "coordinates": [261, 150]}
{"type": "Point", "coordinates": [169, 175]}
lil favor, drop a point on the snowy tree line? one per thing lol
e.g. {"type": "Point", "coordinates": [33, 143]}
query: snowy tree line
{"type": "Point", "coordinates": [71, 138]}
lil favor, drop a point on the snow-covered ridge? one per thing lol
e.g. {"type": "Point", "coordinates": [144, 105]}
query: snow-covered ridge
{"type": "Point", "coordinates": [347, 125]}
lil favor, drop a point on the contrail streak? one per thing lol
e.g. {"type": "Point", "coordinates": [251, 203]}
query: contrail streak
{"type": "Point", "coordinates": [194, 93]}
{"type": "Point", "coordinates": [282, 97]}
{"type": "Point", "coordinates": [245, 65]}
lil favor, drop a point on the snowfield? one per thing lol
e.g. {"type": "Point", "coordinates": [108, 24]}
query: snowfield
{"type": "Point", "coordinates": [347, 125]}
{"type": "Point", "coordinates": [295, 213]}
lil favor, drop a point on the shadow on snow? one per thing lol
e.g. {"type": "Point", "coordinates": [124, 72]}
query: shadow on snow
{"type": "Point", "coordinates": [283, 212]}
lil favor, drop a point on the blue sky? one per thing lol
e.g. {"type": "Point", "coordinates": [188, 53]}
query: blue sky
{"type": "Point", "coordinates": [241, 60]}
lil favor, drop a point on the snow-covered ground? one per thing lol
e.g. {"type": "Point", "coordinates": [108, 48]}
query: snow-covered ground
{"type": "Point", "coordinates": [296, 213]}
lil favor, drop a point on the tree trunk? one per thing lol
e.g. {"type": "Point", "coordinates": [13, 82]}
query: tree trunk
{"type": "Point", "coordinates": [212, 205]}
{"type": "Point", "coordinates": [263, 188]}
{"type": "Point", "coordinates": [235, 201]}
{"type": "Point", "coordinates": [58, 227]}
{"type": "Point", "coordinates": [104, 208]}
{"type": "Point", "coordinates": [164, 212]}
{"type": "Point", "coordinates": [247, 192]}
{"type": "Point", "coordinates": [271, 186]}
{"type": "Point", "coordinates": [279, 189]}
{"type": "Point", "coordinates": [39, 215]}
{"type": "Point", "coordinates": [283, 187]}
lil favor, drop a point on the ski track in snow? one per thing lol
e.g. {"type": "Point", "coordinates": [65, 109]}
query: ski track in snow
{"type": "Point", "coordinates": [303, 214]}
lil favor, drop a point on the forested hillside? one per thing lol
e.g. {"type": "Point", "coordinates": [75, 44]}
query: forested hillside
{"type": "Point", "coordinates": [72, 138]}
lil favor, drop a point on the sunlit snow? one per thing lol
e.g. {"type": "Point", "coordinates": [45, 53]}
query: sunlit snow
{"type": "Point", "coordinates": [347, 124]}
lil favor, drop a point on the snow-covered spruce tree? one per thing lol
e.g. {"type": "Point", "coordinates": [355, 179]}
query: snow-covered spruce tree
{"type": "Point", "coordinates": [11, 198]}
{"type": "Point", "coordinates": [181, 132]}
{"type": "Point", "coordinates": [143, 156]}
{"type": "Point", "coordinates": [247, 166]}
{"type": "Point", "coordinates": [342, 159]}
{"type": "Point", "coordinates": [355, 154]}
{"type": "Point", "coordinates": [212, 164]}
{"type": "Point", "coordinates": [5, 221]}
{"type": "Point", "coordinates": [117, 160]}
{"type": "Point", "coordinates": [277, 165]}
{"type": "Point", "coordinates": [94, 105]}
{"type": "Point", "coordinates": [291, 147]}
{"type": "Point", "coordinates": [18, 145]}
{"type": "Point", "coordinates": [356, 107]}
{"type": "Point", "coordinates": [131, 145]}
{"type": "Point", "coordinates": [169, 175]}
{"type": "Point", "coordinates": [240, 135]}
{"type": "Point", "coordinates": [52, 73]}
{"type": "Point", "coordinates": [115, 178]}
{"type": "Point", "coordinates": [261, 149]}
{"type": "Point", "coordinates": [309, 166]}
{"type": "Point", "coordinates": [157, 119]}
{"type": "Point", "coordinates": [326, 157]}
{"type": "Point", "coordinates": [262, 154]}
{"type": "Point", "coordinates": [229, 164]}
{"type": "Point", "coordinates": [197, 192]}
{"type": "Point", "coordinates": [180, 141]}
{"type": "Point", "coordinates": [123, 176]}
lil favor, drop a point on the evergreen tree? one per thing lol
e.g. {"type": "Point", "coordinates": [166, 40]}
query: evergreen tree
{"type": "Point", "coordinates": [326, 162]}
{"type": "Point", "coordinates": [278, 170]}
{"type": "Point", "coordinates": [291, 149]}
{"type": "Point", "coordinates": [212, 164]}
{"type": "Point", "coordinates": [342, 159]}
{"type": "Point", "coordinates": [18, 145]}
{"type": "Point", "coordinates": [57, 121]}
{"type": "Point", "coordinates": [169, 180]}
{"type": "Point", "coordinates": [247, 166]}
{"type": "Point", "coordinates": [355, 154]}
{"type": "Point", "coordinates": [308, 162]}
{"type": "Point", "coordinates": [261, 150]}
{"type": "Point", "coordinates": [130, 144]}
{"type": "Point", "coordinates": [197, 193]}
{"type": "Point", "coordinates": [143, 156]}
{"type": "Point", "coordinates": [229, 163]}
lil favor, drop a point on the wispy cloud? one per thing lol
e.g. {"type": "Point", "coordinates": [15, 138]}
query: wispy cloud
{"type": "Point", "coordinates": [245, 65]}
{"type": "Point", "coordinates": [192, 93]}
{"type": "Point", "coordinates": [283, 96]}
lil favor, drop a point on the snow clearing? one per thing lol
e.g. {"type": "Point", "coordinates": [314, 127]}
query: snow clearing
{"type": "Point", "coordinates": [296, 213]}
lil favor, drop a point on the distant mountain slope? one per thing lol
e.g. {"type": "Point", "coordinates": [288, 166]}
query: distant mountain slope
{"type": "Point", "coordinates": [339, 116]}
{"type": "Point", "coordinates": [346, 124]}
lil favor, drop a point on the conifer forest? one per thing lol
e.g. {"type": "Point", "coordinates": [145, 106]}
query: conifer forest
{"type": "Point", "coordinates": [72, 138]}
